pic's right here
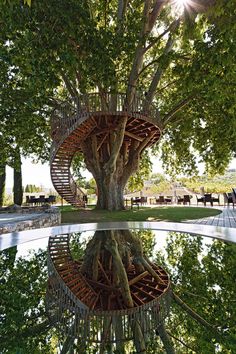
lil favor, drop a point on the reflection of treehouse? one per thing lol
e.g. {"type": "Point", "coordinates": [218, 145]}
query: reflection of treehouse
{"type": "Point", "coordinates": [94, 311]}
{"type": "Point", "coordinates": [93, 115]}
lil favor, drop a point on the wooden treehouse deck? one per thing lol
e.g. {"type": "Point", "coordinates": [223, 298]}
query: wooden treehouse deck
{"type": "Point", "coordinates": [74, 122]}
{"type": "Point", "coordinates": [72, 295]}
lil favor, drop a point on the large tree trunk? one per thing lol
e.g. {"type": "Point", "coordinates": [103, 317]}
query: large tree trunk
{"type": "Point", "coordinates": [112, 159]}
{"type": "Point", "coordinates": [2, 183]}
{"type": "Point", "coordinates": [17, 189]}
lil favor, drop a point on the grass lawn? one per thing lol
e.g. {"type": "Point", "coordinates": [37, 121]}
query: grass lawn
{"type": "Point", "coordinates": [175, 214]}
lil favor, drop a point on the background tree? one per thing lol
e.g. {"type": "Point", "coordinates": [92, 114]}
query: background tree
{"type": "Point", "coordinates": [24, 123]}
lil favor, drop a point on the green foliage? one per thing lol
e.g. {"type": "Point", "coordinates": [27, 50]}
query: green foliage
{"type": "Point", "coordinates": [217, 184]}
{"type": "Point", "coordinates": [32, 188]}
{"type": "Point", "coordinates": [148, 241]}
{"type": "Point", "coordinates": [24, 324]}
{"type": "Point", "coordinates": [86, 45]}
{"type": "Point", "coordinates": [136, 181]}
{"type": "Point", "coordinates": [162, 187]}
{"type": "Point", "coordinates": [203, 274]}
{"type": "Point", "coordinates": [2, 183]}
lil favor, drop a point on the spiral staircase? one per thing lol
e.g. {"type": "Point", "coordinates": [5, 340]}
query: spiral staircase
{"type": "Point", "coordinates": [93, 114]}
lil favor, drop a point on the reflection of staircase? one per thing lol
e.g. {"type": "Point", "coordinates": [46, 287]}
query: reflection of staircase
{"type": "Point", "coordinates": [101, 295]}
{"type": "Point", "coordinates": [87, 308]}
{"type": "Point", "coordinates": [68, 270]}
{"type": "Point", "coordinates": [73, 122]}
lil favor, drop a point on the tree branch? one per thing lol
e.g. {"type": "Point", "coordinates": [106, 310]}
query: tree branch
{"type": "Point", "coordinates": [149, 17]}
{"type": "Point", "coordinates": [158, 5]}
{"type": "Point", "coordinates": [72, 90]}
{"type": "Point", "coordinates": [145, 142]}
{"type": "Point", "coordinates": [157, 77]}
{"type": "Point", "coordinates": [161, 35]}
{"type": "Point", "coordinates": [177, 108]}
{"type": "Point", "coordinates": [180, 341]}
{"type": "Point", "coordinates": [122, 6]}
{"type": "Point", "coordinates": [109, 167]}
{"type": "Point", "coordinates": [147, 66]}
{"type": "Point", "coordinates": [193, 314]}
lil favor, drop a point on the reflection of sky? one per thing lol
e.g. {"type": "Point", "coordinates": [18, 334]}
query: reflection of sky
{"type": "Point", "coordinates": [161, 240]}
{"type": "Point", "coordinates": [160, 243]}
{"type": "Point", "coordinates": [24, 248]}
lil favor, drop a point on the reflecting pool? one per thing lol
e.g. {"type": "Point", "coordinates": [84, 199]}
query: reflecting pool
{"type": "Point", "coordinates": [119, 291]}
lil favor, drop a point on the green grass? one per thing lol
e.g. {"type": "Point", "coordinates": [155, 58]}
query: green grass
{"type": "Point", "coordinates": [175, 214]}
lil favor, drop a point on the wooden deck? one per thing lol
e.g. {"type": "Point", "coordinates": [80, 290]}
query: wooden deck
{"type": "Point", "coordinates": [226, 219]}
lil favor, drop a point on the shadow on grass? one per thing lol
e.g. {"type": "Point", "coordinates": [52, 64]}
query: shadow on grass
{"type": "Point", "coordinates": [174, 214]}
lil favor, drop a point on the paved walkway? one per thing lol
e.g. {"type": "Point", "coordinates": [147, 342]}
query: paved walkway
{"type": "Point", "coordinates": [226, 219]}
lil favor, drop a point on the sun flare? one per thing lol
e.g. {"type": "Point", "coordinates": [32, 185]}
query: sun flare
{"type": "Point", "coordinates": [180, 5]}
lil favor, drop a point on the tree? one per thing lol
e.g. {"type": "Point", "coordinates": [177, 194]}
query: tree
{"type": "Point", "coordinates": [2, 183]}
{"type": "Point", "coordinates": [24, 126]}
{"type": "Point", "coordinates": [158, 51]}
{"type": "Point", "coordinates": [17, 175]}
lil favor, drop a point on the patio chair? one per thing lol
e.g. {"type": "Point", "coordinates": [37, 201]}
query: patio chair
{"type": "Point", "coordinates": [27, 201]}
{"type": "Point", "coordinates": [168, 199]}
{"type": "Point", "coordinates": [234, 191]}
{"type": "Point", "coordinates": [216, 199]}
{"type": "Point", "coordinates": [179, 199]}
{"type": "Point", "coordinates": [208, 199]}
{"type": "Point", "coordinates": [41, 199]}
{"type": "Point", "coordinates": [200, 199]}
{"type": "Point", "coordinates": [135, 201]}
{"type": "Point", "coordinates": [32, 199]}
{"type": "Point", "coordinates": [160, 200]}
{"type": "Point", "coordinates": [143, 200]}
{"type": "Point", "coordinates": [187, 199]}
{"type": "Point", "coordinates": [51, 199]}
{"type": "Point", "coordinates": [229, 199]}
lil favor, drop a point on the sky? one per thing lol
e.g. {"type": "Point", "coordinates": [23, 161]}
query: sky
{"type": "Point", "coordinates": [39, 174]}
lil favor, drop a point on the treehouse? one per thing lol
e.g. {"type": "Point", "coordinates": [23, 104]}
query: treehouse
{"type": "Point", "coordinates": [110, 134]}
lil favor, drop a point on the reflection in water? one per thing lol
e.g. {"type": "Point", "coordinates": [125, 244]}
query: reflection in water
{"type": "Point", "coordinates": [202, 317]}
{"type": "Point", "coordinates": [111, 295]}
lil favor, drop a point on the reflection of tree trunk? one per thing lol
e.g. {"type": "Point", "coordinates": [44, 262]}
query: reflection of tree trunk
{"type": "Point", "coordinates": [2, 183]}
{"type": "Point", "coordinates": [67, 345]}
{"type": "Point", "coordinates": [168, 345]}
{"type": "Point", "coordinates": [111, 255]}
{"type": "Point", "coordinates": [18, 190]}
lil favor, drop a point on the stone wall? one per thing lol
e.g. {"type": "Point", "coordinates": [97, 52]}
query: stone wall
{"type": "Point", "coordinates": [35, 220]}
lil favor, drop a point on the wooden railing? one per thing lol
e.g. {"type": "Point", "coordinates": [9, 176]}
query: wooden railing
{"type": "Point", "coordinates": [68, 113]}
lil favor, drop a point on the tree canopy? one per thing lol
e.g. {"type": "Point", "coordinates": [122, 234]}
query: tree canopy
{"type": "Point", "coordinates": [182, 62]}
{"type": "Point", "coordinates": [189, 58]}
